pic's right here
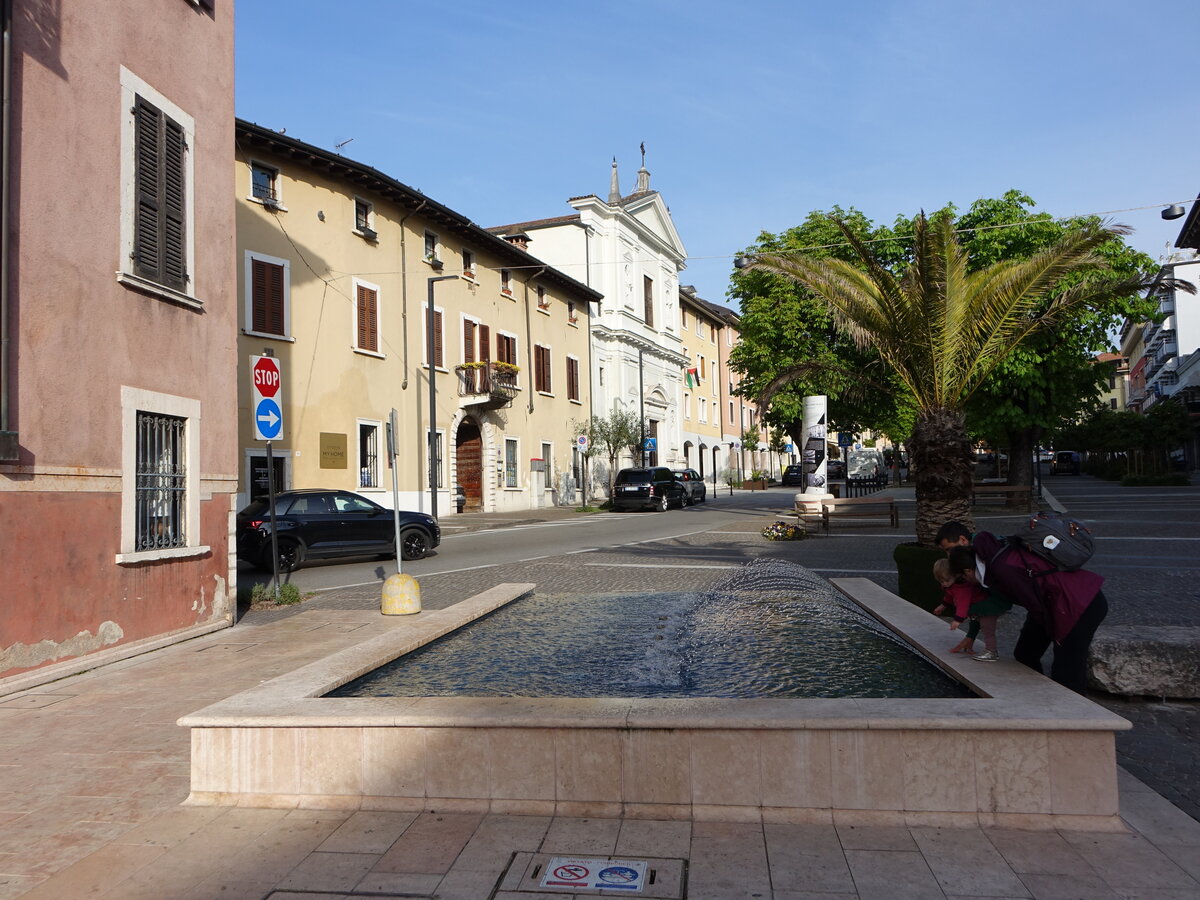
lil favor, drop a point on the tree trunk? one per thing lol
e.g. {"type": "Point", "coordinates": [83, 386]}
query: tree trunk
{"type": "Point", "coordinates": [1020, 455]}
{"type": "Point", "coordinates": [941, 457]}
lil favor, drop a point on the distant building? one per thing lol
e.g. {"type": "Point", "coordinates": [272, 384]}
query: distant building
{"type": "Point", "coordinates": [1113, 395]}
{"type": "Point", "coordinates": [118, 408]}
{"type": "Point", "coordinates": [627, 248]}
{"type": "Point", "coordinates": [335, 261]}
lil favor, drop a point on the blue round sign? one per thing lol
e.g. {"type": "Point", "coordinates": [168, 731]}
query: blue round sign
{"type": "Point", "coordinates": [268, 419]}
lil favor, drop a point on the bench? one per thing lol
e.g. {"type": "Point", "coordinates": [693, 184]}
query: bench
{"type": "Point", "coordinates": [1016, 495]}
{"type": "Point", "coordinates": [874, 507]}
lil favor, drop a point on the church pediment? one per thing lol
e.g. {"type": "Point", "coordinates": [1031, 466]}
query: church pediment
{"type": "Point", "coordinates": [652, 215]}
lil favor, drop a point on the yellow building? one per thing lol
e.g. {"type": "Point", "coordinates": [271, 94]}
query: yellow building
{"type": "Point", "coordinates": [699, 331]}
{"type": "Point", "coordinates": [338, 268]}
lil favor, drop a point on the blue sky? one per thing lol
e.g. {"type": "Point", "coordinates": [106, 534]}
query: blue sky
{"type": "Point", "coordinates": [753, 114]}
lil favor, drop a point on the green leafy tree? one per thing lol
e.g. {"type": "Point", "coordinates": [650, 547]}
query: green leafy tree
{"type": "Point", "coordinates": [778, 443]}
{"type": "Point", "coordinates": [943, 329]}
{"type": "Point", "coordinates": [620, 431]}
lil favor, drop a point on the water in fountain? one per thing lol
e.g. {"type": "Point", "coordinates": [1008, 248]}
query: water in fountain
{"type": "Point", "coordinates": [770, 629]}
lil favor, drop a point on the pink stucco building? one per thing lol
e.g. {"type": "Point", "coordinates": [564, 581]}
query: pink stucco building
{"type": "Point", "coordinates": [118, 407]}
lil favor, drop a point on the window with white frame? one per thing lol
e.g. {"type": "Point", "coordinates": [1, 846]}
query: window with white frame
{"type": "Point", "coordinates": [431, 246]}
{"type": "Point", "coordinates": [439, 457]}
{"type": "Point", "coordinates": [368, 454]}
{"type": "Point", "coordinates": [543, 300]}
{"type": "Point", "coordinates": [703, 412]}
{"type": "Point", "coordinates": [511, 450]}
{"type": "Point", "coordinates": [687, 406]}
{"type": "Point", "coordinates": [548, 462]}
{"type": "Point", "coordinates": [366, 317]}
{"type": "Point", "coordinates": [264, 183]}
{"type": "Point", "coordinates": [157, 169]}
{"type": "Point", "coordinates": [572, 313]}
{"type": "Point", "coordinates": [541, 369]}
{"type": "Point", "coordinates": [438, 351]}
{"type": "Point", "coordinates": [468, 263]}
{"type": "Point", "coordinates": [699, 327]}
{"type": "Point", "coordinates": [506, 282]}
{"type": "Point", "coordinates": [160, 484]}
{"type": "Point", "coordinates": [268, 295]}
{"type": "Point", "coordinates": [573, 379]}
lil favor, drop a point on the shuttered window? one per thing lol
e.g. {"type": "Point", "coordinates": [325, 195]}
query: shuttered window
{"type": "Point", "coordinates": [572, 378]}
{"type": "Point", "coordinates": [159, 234]}
{"type": "Point", "coordinates": [541, 370]}
{"type": "Point", "coordinates": [266, 297]}
{"type": "Point", "coordinates": [368, 319]}
{"type": "Point", "coordinates": [469, 329]}
{"type": "Point", "coordinates": [648, 299]}
{"type": "Point", "coordinates": [437, 339]}
{"type": "Point", "coordinates": [506, 349]}
{"type": "Point", "coordinates": [485, 343]}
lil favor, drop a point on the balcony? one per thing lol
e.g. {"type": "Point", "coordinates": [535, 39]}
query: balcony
{"type": "Point", "coordinates": [486, 385]}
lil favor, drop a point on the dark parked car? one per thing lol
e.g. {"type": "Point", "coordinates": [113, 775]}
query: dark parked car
{"type": "Point", "coordinates": [695, 490]}
{"type": "Point", "coordinates": [654, 488]}
{"type": "Point", "coordinates": [1065, 462]}
{"type": "Point", "coordinates": [793, 475]}
{"type": "Point", "coordinates": [835, 468]}
{"type": "Point", "coordinates": [321, 524]}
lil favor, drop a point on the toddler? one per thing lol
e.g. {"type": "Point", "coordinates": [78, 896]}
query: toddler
{"type": "Point", "coordinates": [952, 591]}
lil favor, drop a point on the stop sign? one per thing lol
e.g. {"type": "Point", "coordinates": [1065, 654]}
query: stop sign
{"type": "Point", "coordinates": [266, 376]}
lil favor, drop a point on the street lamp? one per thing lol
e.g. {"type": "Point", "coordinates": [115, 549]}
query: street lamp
{"type": "Point", "coordinates": [1174, 211]}
{"type": "Point", "coordinates": [429, 355]}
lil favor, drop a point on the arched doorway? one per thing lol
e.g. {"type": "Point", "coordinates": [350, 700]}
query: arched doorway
{"type": "Point", "coordinates": [468, 455]}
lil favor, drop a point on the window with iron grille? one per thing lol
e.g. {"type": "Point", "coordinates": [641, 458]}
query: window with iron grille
{"type": "Point", "coordinates": [368, 455]}
{"type": "Point", "coordinates": [362, 214]}
{"type": "Point", "coordinates": [510, 462]}
{"type": "Point", "coordinates": [160, 492]}
{"type": "Point", "coordinates": [159, 224]}
{"type": "Point", "coordinates": [264, 182]}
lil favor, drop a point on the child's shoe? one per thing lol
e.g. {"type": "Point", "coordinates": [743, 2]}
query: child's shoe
{"type": "Point", "coordinates": [987, 656]}
{"type": "Point", "coordinates": [963, 646]}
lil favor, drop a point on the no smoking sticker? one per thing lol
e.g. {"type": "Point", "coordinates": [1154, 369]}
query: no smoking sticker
{"type": "Point", "coordinates": [585, 873]}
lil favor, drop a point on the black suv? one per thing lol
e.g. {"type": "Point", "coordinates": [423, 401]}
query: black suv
{"type": "Point", "coordinates": [322, 524]}
{"type": "Point", "coordinates": [655, 488]}
{"type": "Point", "coordinates": [695, 490]}
{"type": "Point", "coordinates": [793, 475]}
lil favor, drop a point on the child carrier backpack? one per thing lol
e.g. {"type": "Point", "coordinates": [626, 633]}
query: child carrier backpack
{"type": "Point", "coordinates": [1065, 542]}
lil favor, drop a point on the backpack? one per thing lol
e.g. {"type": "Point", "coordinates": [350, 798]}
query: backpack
{"type": "Point", "coordinates": [1065, 542]}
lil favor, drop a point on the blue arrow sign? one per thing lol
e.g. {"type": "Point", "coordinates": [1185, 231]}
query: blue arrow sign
{"type": "Point", "coordinates": [268, 420]}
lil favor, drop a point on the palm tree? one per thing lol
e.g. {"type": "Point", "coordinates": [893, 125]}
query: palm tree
{"type": "Point", "coordinates": [943, 329]}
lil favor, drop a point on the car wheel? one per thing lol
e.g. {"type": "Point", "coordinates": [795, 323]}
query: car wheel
{"type": "Point", "coordinates": [688, 500]}
{"type": "Point", "coordinates": [662, 503]}
{"type": "Point", "coordinates": [703, 495]}
{"type": "Point", "coordinates": [291, 555]}
{"type": "Point", "coordinates": [414, 543]}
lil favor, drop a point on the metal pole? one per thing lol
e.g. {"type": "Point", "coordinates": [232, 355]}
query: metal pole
{"type": "Point", "coordinates": [393, 439]}
{"type": "Point", "coordinates": [274, 530]}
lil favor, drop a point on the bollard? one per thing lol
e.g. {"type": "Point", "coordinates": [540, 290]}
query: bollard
{"type": "Point", "coordinates": [401, 596]}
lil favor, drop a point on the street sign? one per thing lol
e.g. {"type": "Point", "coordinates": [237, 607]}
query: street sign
{"type": "Point", "coordinates": [582, 443]}
{"type": "Point", "coordinates": [265, 373]}
{"type": "Point", "coordinates": [651, 444]}
{"type": "Point", "coordinates": [266, 401]}
{"type": "Point", "coordinates": [845, 438]}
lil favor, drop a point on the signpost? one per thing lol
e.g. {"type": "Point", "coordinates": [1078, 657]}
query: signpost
{"type": "Point", "coordinates": [265, 383]}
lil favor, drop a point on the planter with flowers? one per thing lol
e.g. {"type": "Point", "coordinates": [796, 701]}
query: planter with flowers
{"type": "Point", "coordinates": [784, 531]}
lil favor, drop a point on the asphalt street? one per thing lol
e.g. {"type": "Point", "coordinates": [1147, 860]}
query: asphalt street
{"type": "Point", "coordinates": [1147, 549]}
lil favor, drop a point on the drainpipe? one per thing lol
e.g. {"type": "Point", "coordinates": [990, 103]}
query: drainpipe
{"type": "Point", "coordinates": [8, 440]}
{"type": "Point", "coordinates": [529, 336]}
{"type": "Point", "coordinates": [404, 292]}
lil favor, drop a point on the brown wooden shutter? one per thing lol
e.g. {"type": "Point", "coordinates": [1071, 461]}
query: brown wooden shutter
{"type": "Point", "coordinates": [266, 293]}
{"type": "Point", "coordinates": [468, 341]}
{"type": "Point", "coordinates": [147, 238]}
{"type": "Point", "coordinates": [160, 236]}
{"type": "Point", "coordinates": [368, 319]}
{"type": "Point", "coordinates": [485, 343]}
{"type": "Point", "coordinates": [572, 379]}
{"type": "Point", "coordinates": [437, 338]}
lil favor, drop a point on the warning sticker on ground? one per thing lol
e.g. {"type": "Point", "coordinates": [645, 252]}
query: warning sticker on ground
{"type": "Point", "coordinates": [584, 873]}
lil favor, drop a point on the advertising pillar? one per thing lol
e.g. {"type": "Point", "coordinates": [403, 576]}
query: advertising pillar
{"type": "Point", "coordinates": [815, 458]}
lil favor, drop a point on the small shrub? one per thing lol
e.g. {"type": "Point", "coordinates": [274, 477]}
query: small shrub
{"type": "Point", "coordinates": [758, 475]}
{"type": "Point", "coordinates": [784, 531]}
{"type": "Point", "coordinates": [1155, 481]}
{"type": "Point", "coordinates": [286, 595]}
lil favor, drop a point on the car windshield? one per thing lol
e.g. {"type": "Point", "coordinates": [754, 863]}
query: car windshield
{"type": "Point", "coordinates": [793, 470]}
{"type": "Point", "coordinates": [633, 476]}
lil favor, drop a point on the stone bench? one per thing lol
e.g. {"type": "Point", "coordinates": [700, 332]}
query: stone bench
{"type": "Point", "coordinates": [1146, 661]}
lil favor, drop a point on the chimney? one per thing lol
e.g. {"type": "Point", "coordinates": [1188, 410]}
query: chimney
{"type": "Point", "coordinates": [518, 239]}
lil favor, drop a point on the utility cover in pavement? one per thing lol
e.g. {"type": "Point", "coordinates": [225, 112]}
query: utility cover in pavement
{"type": "Point", "coordinates": [591, 876]}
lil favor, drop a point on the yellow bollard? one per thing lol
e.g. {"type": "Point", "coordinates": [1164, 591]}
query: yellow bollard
{"type": "Point", "coordinates": [401, 596]}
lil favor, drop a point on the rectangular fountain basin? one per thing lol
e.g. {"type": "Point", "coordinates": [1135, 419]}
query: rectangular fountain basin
{"type": "Point", "coordinates": [1024, 752]}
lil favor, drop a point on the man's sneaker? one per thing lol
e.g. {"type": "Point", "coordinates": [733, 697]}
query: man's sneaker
{"type": "Point", "coordinates": [987, 656]}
